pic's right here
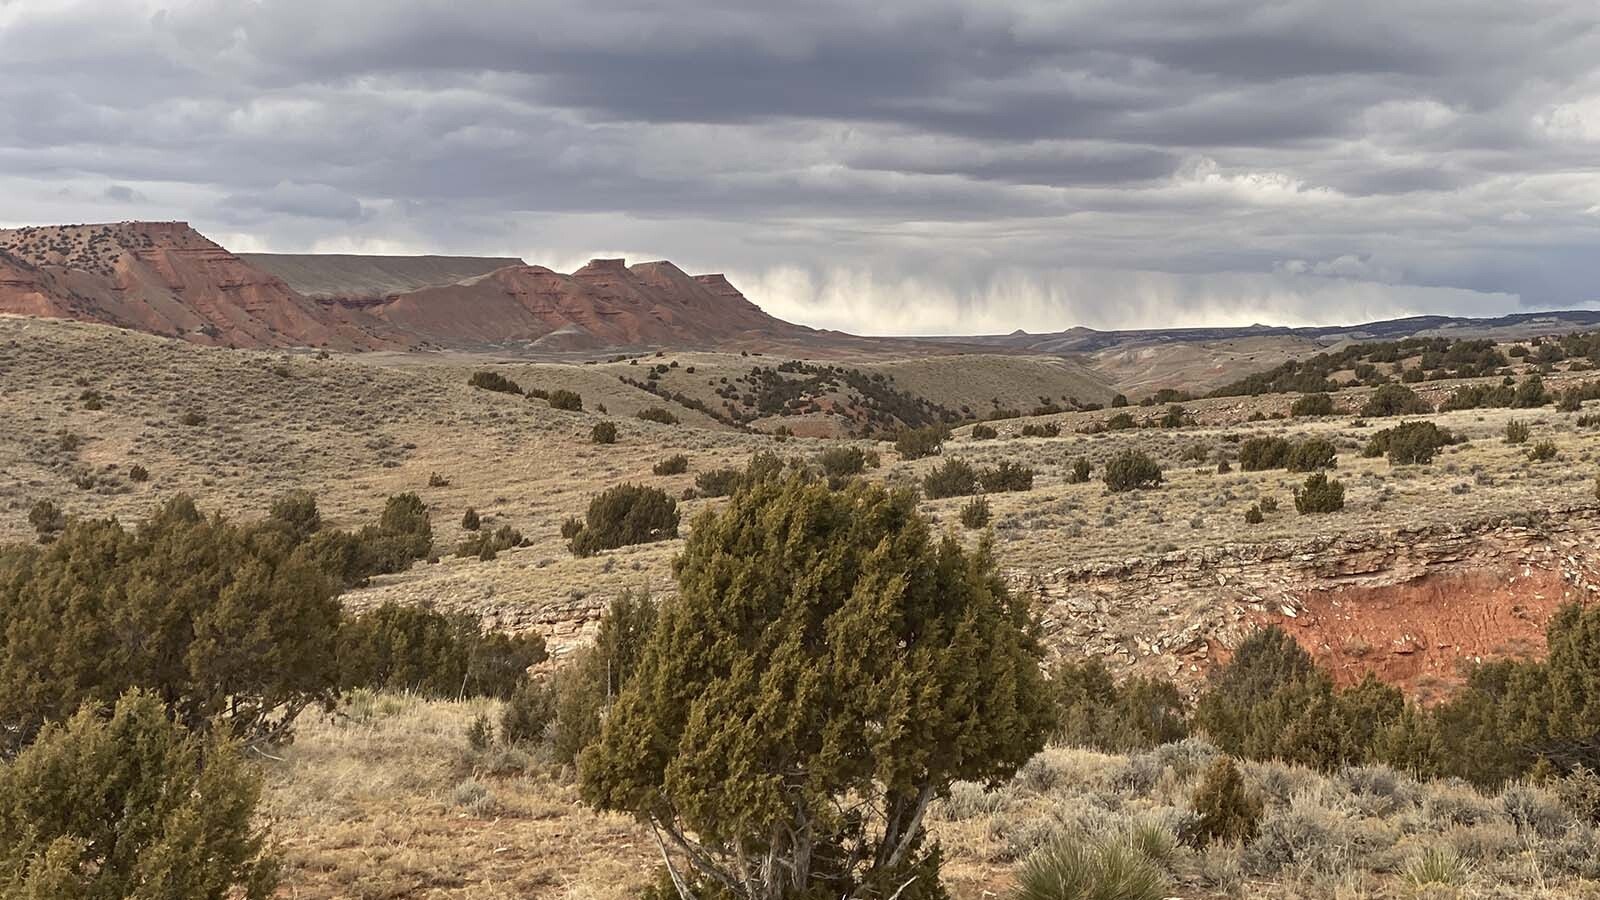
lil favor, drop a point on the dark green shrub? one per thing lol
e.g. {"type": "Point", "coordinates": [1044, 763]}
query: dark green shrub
{"type": "Point", "coordinates": [566, 400]}
{"type": "Point", "coordinates": [1517, 432]}
{"type": "Point", "coordinates": [1132, 470]}
{"type": "Point", "coordinates": [657, 414]}
{"type": "Point", "coordinates": [1318, 404]}
{"type": "Point", "coordinates": [975, 513]}
{"type": "Point", "coordinates": [1007, 476]}
{"type": "Point", "coordinates": [603, 433]}
{"type": "Point", "coordinates": [916, 443]}
{"type": "Point", "coordinates": [1176, 417]}
{"type": "Point", "coordinates": [408, 648]}
{"type": "Point", "coordinates": [1253, 515]}
{"type": "Point", "coordinates": [1079, 471]}
{"type": "Point", "coordinates": [138, 473]}
{"type": "Point", "coordinates": [486, 545]}
{"type": "Point", "coordinates": [626, 514]}
{"type": "Point", "coordinates": [192, 419]}
{"type": "Point", "coordinates": [1043, 429]}
{"type": "Point", "coordinates": [1119, 400]}
{"type": "Point", "coordinates": [839, 463]}
{"type": "Point", "coordinates": [1310, 455]}
{"type": "Point", "coordinates": [1120, 422]}
{"type": "Point", "coordinates": [406, 524]}
{"type": "Point", "coordinates": [529, 712]}
{"type": "Point", "coordinates": [984, 433]}
{"type": "Point", "coordinates": [718, 482]}
{"type": "Point", "coordinates": [1224, 810]}
{"type": "Point", "coordinates": [1395, 400]}
{"type": "Point", "coordinates": [1530, 394]}
{"type": "Point", "coordinates": [1320, 494]}
{"type": "Point", "coordinates": [1409, 443]}
{"type": "Point", "coordinates": [951, 478]}
{"type": "Point", "coordinates": [480, 734]}
{"type": "Point", "coordinates": [92, 400]}
{"type": "Point", "coordinates": [942, 684]}
{"type": "Point", "coordinates": [586, 688]}
{"type": "Point", "coordinates": [1268, 505]}
{"type": "Point", "coordinates": [47, 519]}
{"type": "Point", "coordinates": [1544, 451]}
{"type": "Point", "coordinates": [470, 520]}
{"type": "Point", "coordinates": [1094, 711]}
{"type": "Point", "coordinates": [1259, 453]}
{"type": "Point", "coordinates": [493, 381]}
{"type": "Point", "coordinates": [233, 625]}
{"type": "Point", "coordinates": [131, 805]}
{"type": "Point", "coordinates": [676, 464]}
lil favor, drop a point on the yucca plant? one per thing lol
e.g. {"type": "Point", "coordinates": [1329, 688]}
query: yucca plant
{"type": "Point", "coordinates": [1438, 865]}
{"type": "Point", "coordinates": [1076, 869]}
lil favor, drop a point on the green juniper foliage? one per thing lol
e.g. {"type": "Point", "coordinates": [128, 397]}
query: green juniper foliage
{"type": "Point", "coordinates": [408, 648]}
{"type": "Point", "coordinates": [586, 687]}
{"type": "Point", "coordinates": [626, 514]}
{"type": "Point", "coordinates": [827, 668]}
{"type": "Point", "coordinates": [1131, 470]}
{"type": "Point", "coordinates": [131, 806]}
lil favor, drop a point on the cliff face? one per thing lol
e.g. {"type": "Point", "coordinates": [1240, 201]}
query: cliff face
{"type": "Point", "coordinates": [166, 278]}
{"type": "Point", "coordinates": [1409, 606]}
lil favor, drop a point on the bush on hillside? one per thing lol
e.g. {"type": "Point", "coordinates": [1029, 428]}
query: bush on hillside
{"type": "Point", "coordinates": [1409, 443]}
{"type": "Point", "coordinates": [840, 463]}
{"type": "Point", "coordinates": [676, 464]}
{"type": "Point", "coordinates": [565, 400]}
{"type": "Point", "coordinates": [235, 624]}
{"type": "Point", "coordinates": [1260, 453]}
{"type": "Point", "coordinates": [657, 414]}
{"type": "Point", "coordinates": [47, 520]}
{"type": "Point", "coordinates": [983, 432]}
{"type": "Point", "coordinates": [975, 513]}
{"type": "Point", "coordinates": [1395, 400]}
{"type": "Point", "coordinates": [1041, 429]}
{"type": "Point", "coordinates": [1311, 455]}
{"type": "Point", "coordinates": [1006, 476]}
{"type": "Point", "coordinates": [470, 520]}
{"type": "Point", "coordinates": [1317, 404]}
{"type": "Point", "coordinates": [1079, 471]}
{"type": "Point", "coordinates": [589, 685]}
{"type": "Point", "coordinates": [626, 514]}
{"type": "Point", "coordinates": [603, 433]}
{"type": "Point", "coordinates": [408, 648]}
{"type": "Point", "coordinates": [131, 805]}
{"type": "Point", "coordinates": [1094, 711]}
{"type": "Point", "coordinates": [916, 443]}
{"type": "Point", "coordinates": [1320, 494]}
{"type": "Point", "coordinates": [951, 478]}
{"type": "Point", "coordinates": [493, 381]}
{"type": "Point", "coordinates": [718, 482]}
{"type": "Point", "coordinates": [942, 685]}
{"type": "Point", "coordinates": [1132, 470]}
{"type": "Point", "coordinates": [1517, 432]}
{"type": "Point", "coordinates": [1544, 451]}
{"type": "Point", "coordinates": [1224, 811]}
{"type": "Point", "coordinates": [529, 712]}
{"type": "Point", "coordinates": [486, 545]}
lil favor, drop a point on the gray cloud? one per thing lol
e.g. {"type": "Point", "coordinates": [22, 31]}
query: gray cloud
{"type": "Point", "coordinates": [877, 167]}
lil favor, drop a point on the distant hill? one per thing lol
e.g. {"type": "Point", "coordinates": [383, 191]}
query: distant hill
{"type": "Point", "coordinates": [323, 276]}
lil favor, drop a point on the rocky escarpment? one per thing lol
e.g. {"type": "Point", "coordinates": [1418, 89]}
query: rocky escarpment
{"type": "Point", "coordinates": [1407, 604]}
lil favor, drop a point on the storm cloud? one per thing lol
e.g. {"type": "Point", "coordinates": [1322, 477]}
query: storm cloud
{"type": "Point", "coordinates": [893, 167]}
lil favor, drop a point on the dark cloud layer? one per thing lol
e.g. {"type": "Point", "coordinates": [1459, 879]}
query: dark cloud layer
{"type": "Point", "coordinates": [897, 166]}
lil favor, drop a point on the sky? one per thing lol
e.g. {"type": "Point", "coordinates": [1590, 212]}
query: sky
{"type": "Point", "coordinates": [891, 167]}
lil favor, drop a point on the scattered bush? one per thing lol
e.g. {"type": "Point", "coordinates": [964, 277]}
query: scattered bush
{"type": "Point", "coordinates": [676, 464]}
{"type": "Point", "coordinates": [1224, 810]}
{"type": "Point", "coordinates": [235, 625]}
{"type": "Point", "coordinates": [1079, 471]}
{"type": "Point", "coordinates": [493, 381]}
{"type": "Point", "coordinates": [626, 514]}
{"type": "Point", "coordinates": [1395, 400]}
{"type": "Point", "coordinates": [1176, 417]}
{"type": "Point", "coordinates": [1007, 476]}
{"type": "Point", "coordinates": [486, 545]}
{"type": "Point", "coordinates": [1409, 443]}
{"type": "Point", "coordinates": [138, 474]}
{"type": "Point", "coordinates": [1317, 404]}
{"type": "Point", "coordinates": [470, 520]}
{"type": "Point", "coordinates": [718, 482]}
{"type": "Point", "coordinates": [131, 805]}
{"type": "Point", "coordinates": [916, 443]}
{"type": "Point", "coordinates": [47, 520]}
{"type": "Point", "coordinates": [1320, 494]}
{"type": "Point", "coordinates": [1042, 429]}
{"type": "Point", "coordinates": [1096, 712]}
{"type": "Point", "coordinates": [1544, 451]}
{"type": "Point", "coordinates": [92, 400]}
{"type": "Point", "coordinates": [1121, 422]}
{"type": "Point", "coordinates": [603, 433]}
{"type": "Point", "coordinates": [480, 734]}
{"type": "Point", "coordinates": [1260, 453]}
{"type": "Point", "coordinates": [1253, 515]}
{"type": "Point", "coordinates": [1132, 470]}
{"type": "Point", "coordinates": [408, 648]}
{"type": "Point", "coordinates": [566, 400]}
{"type": "Point", "coordinates": [1517, 432]}
{"type": "Point", "coordinates": [975, 513]}
{"type": "Point", "coordinates": [1311, 455]}
{"type": "Point", "coordinates": [982, 432]}
{"type": "Point", "coordinates": [528, 713]}
{"type": "Point", "coordinates": [588, 686]}
{"type": "Point", "coordinates": [693, 740]}
{"type": "Point", "coordinates": [192, 419]}
{"type": "Point", "coordinates": [840, 463]}
{"type": "Point", "coordinates": [952, 478]}
{"type": "Point", "coordinates": [657, 414]}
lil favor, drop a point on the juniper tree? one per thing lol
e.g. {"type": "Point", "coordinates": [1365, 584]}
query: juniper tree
{"type": "Point", "coordinates": [131, 806]}
{"type": "Point", "coordinates": [827, 669]}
